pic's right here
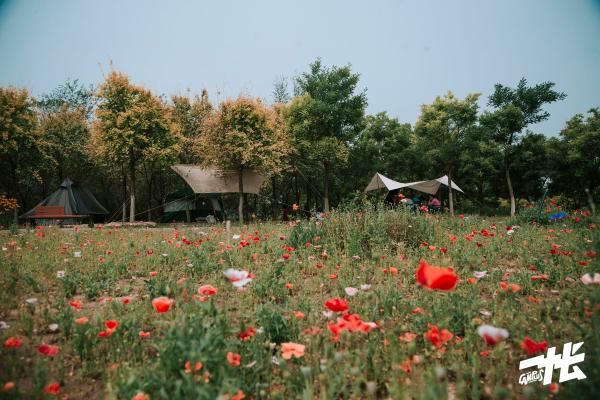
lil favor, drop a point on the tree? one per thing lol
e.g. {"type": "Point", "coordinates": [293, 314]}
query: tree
{"type": "Point", "coordinates": [244, 134]}
{"type": "Point", "coordinates": [64, 116]}
{"type": "Point", "coordinates": [326, 115]}
{"type": "Point", "coordinates": [131, 127]}
{"type": "Point", "coordinates": [280, 91]}
{"type": "Point", "coordinates": [442, 128]}
{"type": "Point", "coordinates": [514, 110]}
{"type": "Point", "coordinates": [383, 145]}
{"type": "Point", "coordinates": [188, 118]}
{"type": "Point", "coordinates": [22, 150]}
{"type": "Point", "coordinates": [530, 165]}
{"type": "Point", "coordinates": [575, 157]}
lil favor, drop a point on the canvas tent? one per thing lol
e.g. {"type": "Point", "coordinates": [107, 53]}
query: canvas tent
{"type": "Point", "coordinates": [184, 202]}
{"type": "Point", "coordinates": [213, 180]}
{"type": "Point", "coordinates": [430, 187]}
{"type": "Point", "coordinates": [75, 199]}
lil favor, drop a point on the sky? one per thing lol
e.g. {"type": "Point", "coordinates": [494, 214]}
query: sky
{"type": "Point", "coordinates": [407, 52]}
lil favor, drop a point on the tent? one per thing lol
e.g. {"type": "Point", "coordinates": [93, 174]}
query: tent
{"type": "Point", "coordinates": [431, 187]}
{"type": "Point", "coordinates": [75, 199]}
{"type": "Point", "coordinates": [184, 201]}
{"type": "Point", "coordinates": [379, 182]}
{"type": "Point", "coordinates": [213, 180]}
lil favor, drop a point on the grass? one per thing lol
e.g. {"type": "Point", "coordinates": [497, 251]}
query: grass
{"type": "Point", "coordinates": [297, 267]}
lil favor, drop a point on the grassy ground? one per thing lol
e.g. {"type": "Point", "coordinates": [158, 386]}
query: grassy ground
{"type": "Point", "coordinates": [52, 278]}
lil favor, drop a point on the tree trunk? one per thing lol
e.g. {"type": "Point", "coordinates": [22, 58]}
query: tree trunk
{"type": "Point", "coordinates": [150, 200]}
{"type": "Point", "coordinates": [450, 199]}
{"type": "Point", "coordinates": [326, 188]}
{"type": "Point", "coordinates": [132, 191]}
{"type": "Point", "coordinates": [124, 194]}
{"type": "Point", "coordinates": [241, 199]}
{"type": "Point", "coordinates": [274, 206]}
{"type": "Point", "coordinates": [308, 198]}
{"type": "Point", "coordinates": [511, 194]}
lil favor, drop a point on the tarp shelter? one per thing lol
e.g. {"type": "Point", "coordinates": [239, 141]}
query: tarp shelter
{"type": "Point", "coordinates": [213, 180]}
{"type": "Point", "coordinates": [75, 199]}
{"type": "Point", "coordinates": [379, 182]}
{"type": "Point", "coordinates": [181, 202]}
{"type": "Point", "coordinates": [431, 187]}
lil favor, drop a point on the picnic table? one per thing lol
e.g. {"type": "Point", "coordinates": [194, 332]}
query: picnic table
{"type": "Point", "coordinates": [54, 213]}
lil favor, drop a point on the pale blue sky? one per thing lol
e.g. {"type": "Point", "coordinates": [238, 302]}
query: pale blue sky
{"type": "Point", "coordinates": [407, 52]}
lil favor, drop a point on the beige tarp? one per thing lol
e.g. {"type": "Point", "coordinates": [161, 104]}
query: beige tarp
{"type": "Point", "coordinates": [213, 180]}
{"type": "Point", "coordinates": [431, 187]}
{"type": "Point", "coordinates": [379, 182]}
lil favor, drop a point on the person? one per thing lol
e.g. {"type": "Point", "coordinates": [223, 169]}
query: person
{"type": "Point", "coordinates": [434, 204]}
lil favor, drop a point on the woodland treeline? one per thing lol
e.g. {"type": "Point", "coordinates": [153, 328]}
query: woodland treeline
{"type": "Point", "coordinates": [313, 140]}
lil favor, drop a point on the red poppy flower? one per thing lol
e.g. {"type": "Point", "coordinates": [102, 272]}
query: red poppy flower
{"type": "Point", "coordinates": [140, 396]}
{"type": "Point", "coordinates": [513, 287]}
{"type": "Point", "coordinates": [111, 324]}
{"type": "Point", "coordinates": [48, 350]}
{"type": "Point", "coordinates": [436, 278]}
{"type": "Point", "coordinates": [234, 359]}
{"type": "Point", "coordinates": [162, 304]}
{"type": "Point", "coordinates": [207, 290]}
{"type": "Point", "coordinates": [82, 320]}
{"type": "Point", "coordinates": [337, 305]}
{"type": "Point", "coordinates": [239, 396]}
{"type": "Point", "coordinates": [143, 334]}
{"type": "Point", "coordinates": [436, 337]}
{"type": "Point", "coordinates": [76, 304]}
{"type": "Point", "coordinates": [491, 334]}
{"type": "Point", "coordinates": [12, 342]}
{"type": "Point", "coordinates": [52, 388]}
{"type": "Point", "coordinates": [247, 334]}
{"type": "Point", "coordinates": [533, 347]}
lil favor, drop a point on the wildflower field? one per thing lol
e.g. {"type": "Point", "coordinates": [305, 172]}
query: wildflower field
{"type": "Point", "coordinates": [366, 304]}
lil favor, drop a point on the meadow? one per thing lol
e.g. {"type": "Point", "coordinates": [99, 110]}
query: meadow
{"type": "Point", "coordinates": [361, 305]}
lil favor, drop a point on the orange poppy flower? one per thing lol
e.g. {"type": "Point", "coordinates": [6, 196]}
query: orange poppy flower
{"type": "Point", "coordinates": [81, 320]}
{"type": "Point", "coordinates": [8, 386]}
{"type": "Point", "coordinates": [162, 304]}
{"type": "Point", "coordinates": [299, 314]}
{"type": "Point", "coordinates": [436, 278]}
{"type": "Point", "coordinates": [408, 336]}
{"type": "Point", "coordinates": [188, 367]}
{"type": "Point", "coordinates": [292, 349]}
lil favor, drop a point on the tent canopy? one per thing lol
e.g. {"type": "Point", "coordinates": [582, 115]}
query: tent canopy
{"type": "Point", "coordinates": [214, 180]}
{"type": "Point", "coordinates": [379, 182]}
{"type": "Point", "coordinates": [431, 187]}
{"type": "Point", "coordinates": [75, 199]}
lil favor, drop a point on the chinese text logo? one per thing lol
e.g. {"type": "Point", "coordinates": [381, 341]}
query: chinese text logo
{"type": "Point", "coordinates": [546, 365]}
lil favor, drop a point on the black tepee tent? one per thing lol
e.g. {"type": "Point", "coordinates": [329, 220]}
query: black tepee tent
{"type": "Point", "coordinates": [75, 199]}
